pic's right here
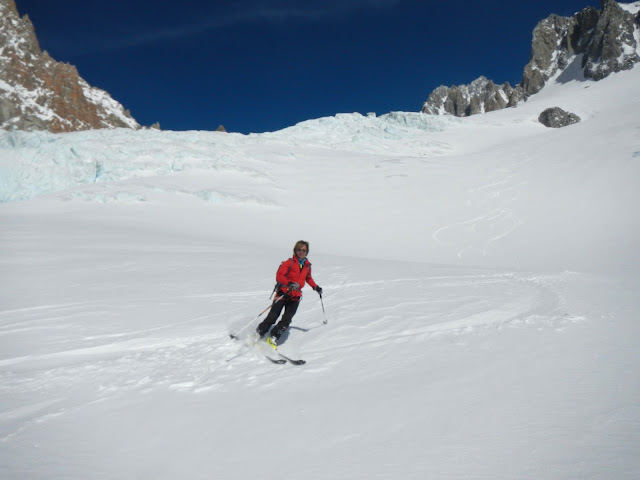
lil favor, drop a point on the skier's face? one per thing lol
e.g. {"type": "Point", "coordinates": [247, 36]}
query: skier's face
{"type": "Point", "coordinates": [301, 252]}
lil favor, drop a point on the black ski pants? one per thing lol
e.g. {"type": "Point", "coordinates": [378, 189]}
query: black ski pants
{"type": "Point", "coordinates": [290, 307]}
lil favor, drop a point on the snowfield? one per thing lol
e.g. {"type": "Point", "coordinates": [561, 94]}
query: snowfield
{"type": "Point", "coordinates": [480, 284]}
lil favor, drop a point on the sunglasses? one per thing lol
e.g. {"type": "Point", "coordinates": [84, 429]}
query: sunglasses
{"type": "Point", "coordinates": [301, 250]}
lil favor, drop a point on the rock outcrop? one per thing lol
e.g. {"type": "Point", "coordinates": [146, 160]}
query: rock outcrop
{"type": "Point", "coordinates": [601, 41]}
{"type": "Point", "coordinates": [613, 46]}
{"type": "Point", "coordinates": [38, 93]}
{"type": "Point", "coordinates": [482, 95]}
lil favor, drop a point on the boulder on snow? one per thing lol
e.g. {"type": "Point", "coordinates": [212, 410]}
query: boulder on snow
{"type": "Point", "coordinates": [557, 118]}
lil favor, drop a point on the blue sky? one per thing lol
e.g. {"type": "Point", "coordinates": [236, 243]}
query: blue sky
{"type": "Point", "coordinates": [258, 66]}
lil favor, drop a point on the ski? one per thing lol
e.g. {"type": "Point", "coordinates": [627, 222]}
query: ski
{"type": "Point", "coordinates": [278, 361]}
{"type": "Point", "coordinates": [274, 347]}
{"type": "Point", "coordinates": [291, 360]}
{"type": "Point", "coordinates": [281, 360]}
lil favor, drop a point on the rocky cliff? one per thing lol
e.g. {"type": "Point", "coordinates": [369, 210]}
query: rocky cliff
{"type": "Point", "coordinates": [38, 93]}
{"type": "Point", "coordinates": [595, 42]}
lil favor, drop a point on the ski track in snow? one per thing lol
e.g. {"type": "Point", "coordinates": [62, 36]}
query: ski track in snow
{"type": "Point", "coordinates": [496, 220]}
{"type": "Point", "coordinates": [378, 313]}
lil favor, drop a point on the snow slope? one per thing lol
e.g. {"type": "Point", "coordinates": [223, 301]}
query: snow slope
{"type": "Point", "coordinates": [480, 279]}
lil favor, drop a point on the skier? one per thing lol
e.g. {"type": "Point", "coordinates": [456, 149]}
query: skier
{"type": "Point", "coordinates": [290, 277]}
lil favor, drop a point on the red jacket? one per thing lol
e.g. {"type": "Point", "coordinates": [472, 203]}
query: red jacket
{"type": "Point", "coordinates": [290, 271]}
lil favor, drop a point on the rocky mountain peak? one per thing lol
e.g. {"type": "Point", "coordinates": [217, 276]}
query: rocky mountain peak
{"type": "Point", "coordinates": [38, 93]}
{"type": "Point", "coordinates": [613, 46]}
{"type": "Point", "coordinates": [593, 42]}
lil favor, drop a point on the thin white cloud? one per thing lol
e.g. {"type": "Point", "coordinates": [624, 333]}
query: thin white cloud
{"type": "Point", "coordinates": [243, 12]}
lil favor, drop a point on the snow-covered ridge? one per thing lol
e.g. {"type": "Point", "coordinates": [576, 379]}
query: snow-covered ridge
{"type": "Point", "coordinates": [353, 131]}
{"type": "Point", "coordinates": [107, 106]}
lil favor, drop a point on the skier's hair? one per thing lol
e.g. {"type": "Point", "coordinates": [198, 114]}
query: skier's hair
{"type": "Point", "coordinates": [299, 244]}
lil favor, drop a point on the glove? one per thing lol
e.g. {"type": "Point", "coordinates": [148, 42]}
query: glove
{"type": "Point", "coordinates": [318, 289]}
{"type": "Point", "coordinates": [294, 286]}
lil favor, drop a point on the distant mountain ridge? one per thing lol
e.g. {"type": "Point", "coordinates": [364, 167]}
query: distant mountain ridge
{"type": "Point", "coordinates": [594, 43]}
{"type": "Point", "coordinates": [39, 93]}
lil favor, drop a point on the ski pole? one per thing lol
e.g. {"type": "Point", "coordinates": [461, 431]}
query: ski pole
{"type": "Point", "coordinates": [277, 299]}
{"type": "Point", "coordinates": [323, 312]}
